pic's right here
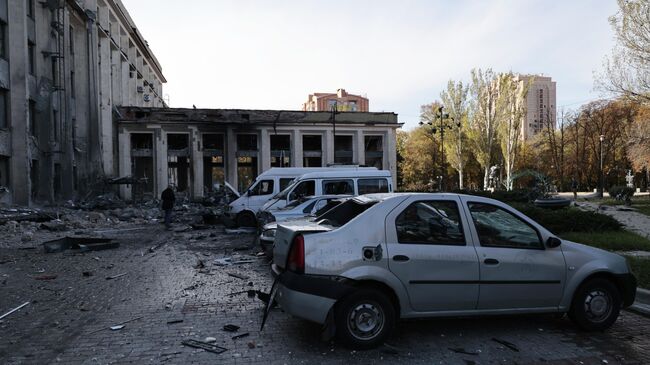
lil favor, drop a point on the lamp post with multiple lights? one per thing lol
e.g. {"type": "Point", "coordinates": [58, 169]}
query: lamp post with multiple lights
{"type": "Point", "coordinates": [442, 117]}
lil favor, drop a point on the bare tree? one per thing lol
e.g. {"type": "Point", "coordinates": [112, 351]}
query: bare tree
{"type": "Point", "coordinates": [455, 100]}
{"type": "Point", "coordinates": [627, 71]}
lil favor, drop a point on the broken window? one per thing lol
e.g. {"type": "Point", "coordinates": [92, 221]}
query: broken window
{"type": "Point", "coordinates": [178, 161]}
{"type": "Point", "coordinates": [305, 188]}
{"type": "Point", "coordinates": [344, 212]}
{"type": "Point", "coordinates": [213, 142]}
{"type": "Point", "coordinates": [374, 151]}
{"type": "Point", "coordinates": [343, 151]}
{"type": "Point", "coordinates": [281, 150]}
{"type": "Point", "coordinates": [312, 151]}
{"type": "Point", "coordinates": [3, 109]}
{"type": "Point", "coordinates": [246, 160]}
{"type": "Point", "coordinates": [264, 187]}
{"type": "Point", "coordinates": [142, 160]}
{"type": "Point", "coordinates": [213, 163]}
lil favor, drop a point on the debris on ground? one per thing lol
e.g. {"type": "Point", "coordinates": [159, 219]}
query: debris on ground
{"type": "Point", "coordinates": [460, 350]}
{"type": "Point", "coordinates": [245, 334]}
{"type": "Point", "coordinates": [227, 261]}
{"type": "Point", "coordinates": [45, 277]}
{"type": "Point", "coordinates": [199, 264]}
{"type": "Point", "coordinates": [389, 349]}
{"type": "Point", "coordinates": [174, 321]}
{"type": "Point", "coordinates": [251, 345]}
{"type": "Point", "coordinates": [241, 230]}
{"type": "Point", "coordinates": [13, 310]}
{"type": "Point", "coordinates": [116, 328]}
{"type": "Point", "coordinates": [235, 275]}
{"type": "Point", "coordinates": [230, 328]}
{"type": "Point", "coordinates": [507, 344]}
{"type": "Point", "coordinates": [205, 346]}
{"type": "Point", "coordinates": [79, 243]}
{"type": "Point", "coordinates": [115, 276]}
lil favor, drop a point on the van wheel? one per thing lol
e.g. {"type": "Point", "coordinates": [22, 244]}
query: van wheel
{"type": "Point", "coordinates": [596, 305]}
{"type": "Point", "coordinates": [364, 319]}
{"type": "Point", "coordinates": [246, 219]}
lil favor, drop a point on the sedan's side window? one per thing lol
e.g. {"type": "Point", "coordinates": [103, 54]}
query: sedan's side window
{"type": "Point", "coordinates": [497, 227]}
{"type": "Point", "coordinates": [434, 222]}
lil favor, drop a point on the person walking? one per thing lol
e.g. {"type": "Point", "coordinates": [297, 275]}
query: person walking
{"type": "Point", "coordinates": [168, 199]}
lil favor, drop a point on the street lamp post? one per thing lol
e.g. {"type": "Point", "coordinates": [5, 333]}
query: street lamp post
{"type": "Point", "coordinates": [442, 116]}
{"type": "Point", "coordinates": [602, 173]}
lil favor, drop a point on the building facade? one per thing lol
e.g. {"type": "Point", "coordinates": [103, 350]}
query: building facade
{"type": "Point", "coordinates": [541, 107]}
{"type": "Point", "coordinates": [64, 67]}
{"type": "Point", "coordinates": [194, 149]}
{"type": "Point", "coordinates": [341, 100]}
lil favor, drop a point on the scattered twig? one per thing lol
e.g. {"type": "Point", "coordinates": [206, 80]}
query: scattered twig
{"type": "Point", "coordinates": [115, 276]}
{"type": "Point", "coordinates": [13, 310]}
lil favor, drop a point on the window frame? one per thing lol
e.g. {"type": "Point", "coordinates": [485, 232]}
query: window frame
{"type": "Point", "coordinates": [461, 227]}
{"type": "Point", "coordinates": [373, 178]}
{"type": "Point", "coordinates": [297, 185]}
{"type": "Point", "coordinates": [343, 179]}
{"type": "Point", "coordinates": [516, 216]}
{"type": "Point", "coordinates": [256, 187]}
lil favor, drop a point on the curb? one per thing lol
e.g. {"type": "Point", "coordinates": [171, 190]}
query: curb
{"type": "Point", "coordinates": [642, 303]}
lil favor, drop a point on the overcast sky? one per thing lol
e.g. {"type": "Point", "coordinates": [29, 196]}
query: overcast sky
{"type": "Point", "coordinates": [400, 54]}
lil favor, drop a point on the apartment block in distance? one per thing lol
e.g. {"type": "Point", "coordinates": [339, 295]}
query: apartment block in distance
{"type": "Point", "coordinates": [343, 101]}
{"type": "Point", "coordinates": [540, 104]}
{"type": "Point", "coordinates": [65, 66]}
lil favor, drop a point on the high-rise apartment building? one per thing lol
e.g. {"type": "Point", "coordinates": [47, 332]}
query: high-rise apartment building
{"type": "Point", "coordinates": [343, 101]}
{"type": "Point", "coordinates": [65, 65]}
{"type": "Point", "coordinates": [541, 107]}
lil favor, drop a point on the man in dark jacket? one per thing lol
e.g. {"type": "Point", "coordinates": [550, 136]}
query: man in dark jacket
{"type": "Point", "coordinates": [168, 199]}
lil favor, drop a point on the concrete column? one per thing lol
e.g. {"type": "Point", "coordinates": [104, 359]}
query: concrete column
{"type": "Point", "coordinates": [359, 154]}
{"type": "Point", "coordinates": [231, 157]}
{"type": "Point", "coordinates": [197, 164]}
{"type": "Point", "coordinates": [328, 147]}
{"type": "Point", "coordinates": [160, 163]}
{"type": "Point", "coordinates": [391, 162]}
{"type": "Point", "coordinates": [105, 111]}
{"type": "Point", "coordinates": [124, 161]}
{"type": "Point", "coordinates": [20, 154]}
{"type": "Point", "coordinates": [296, 148]}
{"type": "Point", "coordinates": [264, 152]}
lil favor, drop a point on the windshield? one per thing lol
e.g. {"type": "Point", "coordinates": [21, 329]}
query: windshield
{"type": "Point", "coordinates": [283, 194]}
{"type": "Point", "coordinates": [293, 204]}
{"type": "Point", "coordinates": [344, 212]}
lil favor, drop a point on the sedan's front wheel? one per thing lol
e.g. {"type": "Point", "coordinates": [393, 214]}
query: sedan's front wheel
{"type": "Point", "coordinates": [364, 319]}
{"type": "Point", "coordinates": [596, 305]}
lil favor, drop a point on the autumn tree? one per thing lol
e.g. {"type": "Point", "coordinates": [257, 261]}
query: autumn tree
{"type": "Point", "coordinates": [456, 103]}
{"type": "Point", "coordinates": [638, 142]}
{"type": "Point", "coordinates": [514, 104]}
{"type": "Point", "coordinates": [486, 111]}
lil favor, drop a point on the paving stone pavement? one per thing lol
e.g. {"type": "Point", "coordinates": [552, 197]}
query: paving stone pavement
{"type": "Point", "coordinates": [68, 318]}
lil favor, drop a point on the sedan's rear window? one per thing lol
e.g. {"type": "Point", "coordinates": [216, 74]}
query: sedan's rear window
{"type": "Point", "coordinates": [344, 213]}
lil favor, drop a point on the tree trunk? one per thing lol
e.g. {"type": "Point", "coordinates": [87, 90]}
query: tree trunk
{"type": "Point", "coordinates": [486, 176]}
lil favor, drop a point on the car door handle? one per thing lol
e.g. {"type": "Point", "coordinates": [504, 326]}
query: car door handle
{"type": "Point", "coordinates": [400, 258]}
{"type": "Point", "coordinates": [491, 261]}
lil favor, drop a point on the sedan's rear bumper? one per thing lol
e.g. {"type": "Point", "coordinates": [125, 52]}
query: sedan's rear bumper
{"type": "Point", "coordinates": [310, 297]}
{"type": "Point", "coordinates": [627, 285]}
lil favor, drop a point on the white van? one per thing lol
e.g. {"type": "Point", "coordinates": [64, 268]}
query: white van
{"type": "Point", "coordinates": [334, 183]}
{"type": "Point", "coordinates": [268, 184]}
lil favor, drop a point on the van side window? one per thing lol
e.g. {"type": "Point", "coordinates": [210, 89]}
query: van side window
{"type": "Point", "coordinates": [338, 187]}
{"type": "Point", "coordinates": [264, 187]}
{"type": "Point", "coordinates": [371, 186]}
{"type": "Point", "coordinates": [284, 182]}
{"type": "Point", "coordinates": [305, 188]}
{"type": "Point", "coordinates": [434, 222]}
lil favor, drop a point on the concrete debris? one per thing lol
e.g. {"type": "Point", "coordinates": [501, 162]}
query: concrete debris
{"type": "Point", "coordinates": [210, 339]}
{"type": "Point", "coordinates": [116, 328]}
{"type": "Point", "coordinates": [79, 243]}
{"type": "Point", "coordinates": [245, 334]}
{"type": "Point", "coordinates": [227, 261]}
{"type": "Point", "coordinates": [45, 277]}
{"type": "Point", "coordinates": [14, 310]}
{"type": "Point", "coordinates": [251, 345]}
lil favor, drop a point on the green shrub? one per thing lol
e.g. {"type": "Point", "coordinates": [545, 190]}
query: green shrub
{"type": "Point", "coordinates": [569, 219]}
{"type": "Point", "coordinates": [512, 196]}
{"type": "Point", "coordinates": [620, 192]}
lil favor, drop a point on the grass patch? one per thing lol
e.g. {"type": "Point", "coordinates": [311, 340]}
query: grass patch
{"type": "Point", "coordinates": [640, 269]}
{"type": "Point", "coordinates": [610, 240]}
{"type": "Point", "coordinates": [640, 203]}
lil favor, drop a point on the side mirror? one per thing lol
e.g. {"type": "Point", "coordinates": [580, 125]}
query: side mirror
{"type": "Point", "coordinates": [553, 242]}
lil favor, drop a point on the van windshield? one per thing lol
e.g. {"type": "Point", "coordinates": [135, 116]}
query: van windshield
{"type": "Point", "coordinates": [344, 212]}
{"type": "Point", "coordinates": [284, 193]}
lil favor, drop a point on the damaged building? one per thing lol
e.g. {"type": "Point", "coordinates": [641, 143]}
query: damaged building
{"type": "Point", "coordinates": [64, 67]}
{"type": "Point", "coordinates": [194, 149]}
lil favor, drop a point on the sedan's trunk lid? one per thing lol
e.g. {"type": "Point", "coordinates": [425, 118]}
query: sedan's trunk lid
{"type": "Point", "coordinates": [285, 234]}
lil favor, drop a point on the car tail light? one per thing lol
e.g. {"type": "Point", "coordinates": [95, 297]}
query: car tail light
{"type": "Point", "coordinates": [296, 260]}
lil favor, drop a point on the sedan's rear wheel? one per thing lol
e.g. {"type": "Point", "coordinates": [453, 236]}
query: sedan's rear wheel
{"type": "Point", "coordinates": [596, 305]}
{"type": "Point", "coordinates": [364, 319]}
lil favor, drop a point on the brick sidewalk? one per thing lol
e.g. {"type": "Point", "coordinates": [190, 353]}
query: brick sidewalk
{"type": "Point", "coordinates": [61, 325]}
